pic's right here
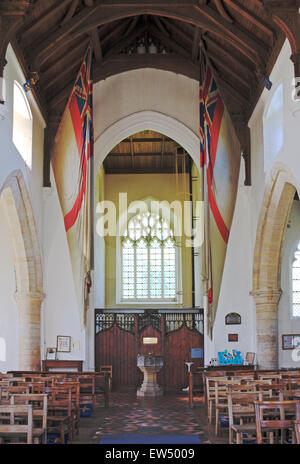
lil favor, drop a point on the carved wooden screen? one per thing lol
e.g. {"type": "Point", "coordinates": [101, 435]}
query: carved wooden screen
{"type": "Point", "coordinates": [120, 338]}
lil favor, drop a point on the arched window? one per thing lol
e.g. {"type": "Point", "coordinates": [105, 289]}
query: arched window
{"type": "Point", "coordinates": [148, 260]}
{"type": "Point", "coordinates": [22, 124]}
{"type": "Point", "coordinates": [273, 127]}
{"type": "Point", "coordinates": [296, 283]}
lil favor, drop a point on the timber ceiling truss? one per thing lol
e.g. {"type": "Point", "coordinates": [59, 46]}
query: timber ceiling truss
{"type": "Point", "coordinates": [242, 38]}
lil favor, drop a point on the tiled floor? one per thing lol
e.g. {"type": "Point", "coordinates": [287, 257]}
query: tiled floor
{"type": "Point", "coordinates": [129, 414]}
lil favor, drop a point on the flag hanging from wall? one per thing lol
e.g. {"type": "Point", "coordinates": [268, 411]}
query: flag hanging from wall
{"type": "Point", "coordinates": [220, 156]}
{"type": "Point", "coordinates": [72, 167]}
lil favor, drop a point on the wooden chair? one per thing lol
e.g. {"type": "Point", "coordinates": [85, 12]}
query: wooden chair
{"type": "Point", "coordinates": [297, 432]}
{"type": "Point", "coordinates": [87, 389]}
{"type": "Point", "coordinates": [241, 415]}
{"type": "Point", "coordinates": [61, 412]}
{"type": "Point", "coordinates": [62, 395]}
{"type": "Point", "coordinates": [275, 378]}
{"type": "Point", "coordinates": [275, 417]}
{"type": "Point", "coordinates": [107, 369]}
{"type": "Point", "coordinates": [39, 403]}
{"type": "Point", "coordinates": [102, 387]}
{"type": "Point", "coordinates": [210, 390]}
{"type": "Point", "coordinates": [221, 398]}
{"type": "Point", "coordinates": [10, 427]}
{"type": "Point", "coordinates": [6, 392]}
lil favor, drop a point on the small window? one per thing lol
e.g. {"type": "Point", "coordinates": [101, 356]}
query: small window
{"type": "Point", "coordinates": [148, 254]}
{"type": "Point", "coordinates": [233, 319]}
{"type": "Point", "coordinates": [296, 283]}
{"type": "Point", "coordinates": [22, 124]}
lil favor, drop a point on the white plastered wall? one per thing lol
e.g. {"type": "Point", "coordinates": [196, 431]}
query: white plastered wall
{"type": "Point", "coordinates": [59, 313]}
{"type": "Point", "coordinates": [237, 279]}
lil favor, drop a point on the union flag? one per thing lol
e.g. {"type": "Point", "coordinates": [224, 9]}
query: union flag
{"type": "Point", "coordinates": [220, 156]}
{"type": "Point", "coordinates": [71, 163]}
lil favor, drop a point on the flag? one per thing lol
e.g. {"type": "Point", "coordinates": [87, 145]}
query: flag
{"type": "Point", "coordinates": [220, 156]}
{"type": "Point", "coordinates": [72, 166]}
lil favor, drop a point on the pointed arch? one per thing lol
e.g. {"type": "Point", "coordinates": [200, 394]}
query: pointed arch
{"type": "Point", "coordinates": [16, 206]}
{"type": "Point", "coordinates": [266, 286]}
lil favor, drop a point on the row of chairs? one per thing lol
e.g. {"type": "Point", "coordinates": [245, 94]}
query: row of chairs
{"type": "Point", "coordinates": [53, 402]}
{"type": "Point", "coordinates": [245, 402]}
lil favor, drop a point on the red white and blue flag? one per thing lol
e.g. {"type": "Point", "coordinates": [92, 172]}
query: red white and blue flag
{"type": "Point", "coordinates": [220, 156]}
{"type": "Point", "coordinates": [71, 163]}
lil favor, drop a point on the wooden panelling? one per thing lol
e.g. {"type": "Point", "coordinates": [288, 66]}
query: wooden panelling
{"type": "Point", "coordinates": [175, 339]}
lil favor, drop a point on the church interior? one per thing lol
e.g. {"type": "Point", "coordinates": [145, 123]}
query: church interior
{"type": "Point", "coordinates": [149, 222]}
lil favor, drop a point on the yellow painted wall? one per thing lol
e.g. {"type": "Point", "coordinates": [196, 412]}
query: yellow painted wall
{"type": "Point", "coordinates": [158, 187]}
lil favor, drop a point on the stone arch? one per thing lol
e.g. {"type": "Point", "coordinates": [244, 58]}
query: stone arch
{"type": "Point", "coordinates": [17, 210]}
{"type": "Point", "coordinates": [142, 120]}
{"type": "Point", "coordinates": [277, 202]}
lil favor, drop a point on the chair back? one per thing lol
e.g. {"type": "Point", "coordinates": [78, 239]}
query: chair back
{"type": "Point", "coordinates": [274, 415]}
{"type": "Point", "coordinates": [39, 403]}
{"type": "Point", "coordinates": [10, 417]}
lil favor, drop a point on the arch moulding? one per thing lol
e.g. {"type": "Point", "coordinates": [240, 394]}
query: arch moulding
{"type": "Point", "coordinates": [16, 206]}
{"type": "Point", "coordinates": [146, 120]}
{"type": "Point", "coordinates": [266, 288]}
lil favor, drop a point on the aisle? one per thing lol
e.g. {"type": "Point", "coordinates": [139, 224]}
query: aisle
{"type": "Point", "coordinates": [169, 414]}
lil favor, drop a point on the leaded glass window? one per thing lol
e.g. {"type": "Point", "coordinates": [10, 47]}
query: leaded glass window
{"type": "Point", "coordinates": [296, 283]}
{"type": "Point", "coordinates": [148, 254]}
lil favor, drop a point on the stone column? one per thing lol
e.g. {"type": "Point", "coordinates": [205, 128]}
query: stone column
{"type": "Point", "coordinates": [29, 305]}
{"type": "Point", "coordinates": [266, 301]}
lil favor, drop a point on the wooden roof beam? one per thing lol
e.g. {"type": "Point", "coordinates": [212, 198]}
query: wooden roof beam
{"type": "Point", "coordinates": [96, 45]}
{"type": "Point", "coordinates": [228, 70]}
{"type": "Point", "coordinates": [121, 63]}
{"type": "Point", "coordinates": [126, 42]}
{"type": "Point", "coordinates": [160, 26]}
{"type": "Point", "coordinates": [52, 11]}
{"type": "Point", "coordinates": [61, 76]}
{"type": "Point", "coordinates": [195, 48]}
{"type": "Point", "coordinates": [119, 29]}
{"type": "Point", "coordinates": [206, 18]}
{"type": "Point", "coordinates": [131, 26]}
{"type": "Point", "coordinates": [287, 16]}
{"type": "Point", "coordinates": [64, 61]}
{"type": "Point", "coordinates": [253, 18]}
{"type": "Point", "coordinates": [229, 56]}
{"type": "Point", "coordinates": [175, 29]}
{"type": "Point", "coordinates": [169, 43]}
{"type": "Point", "coordinates": [237, 33]}
{"type": "Point", "coordinates": [223, 12]}
{"type": "Point", "coordinates": [70, 12]}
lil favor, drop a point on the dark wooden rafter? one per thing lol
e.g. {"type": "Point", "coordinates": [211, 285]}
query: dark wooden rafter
{"type": "Point", "coordinates": [70, 12]}
{"type": "Point", "coordinates": [252, 18]}
{"type": "Point", "coordinates": [132, 25]}
{"type": "Point", "coordinates": [122, 29]}
{"type": "Point", "coordinates": [169, 62]}
{"type": "Point", "coordinates": [96, 45]}
{"type": "Point", "coordinates": [234, 76]}
{"type": "Point", "coordinates": [160, 26]}
{"type": "Point", "coordinates": [196, 41]}
{"type": "Point", "coordinates": [12, 14]}
{"type": "Point", "coordinates": [242, 40]}
{"type": "Point", "coordinates": [33, 25]}
{"type": "Point", "coordinates": [204, 17]}
{"type": "Point", "coordinates": [127, 41]}
{"type": "Point", "coordinates": [169, 43]}
{"type": "Point", "coordinates": [94, 34]}
{"type": "Point", "coordinates": [287, 17]}
{"type": "Point", "coordinates": [222, 10]}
